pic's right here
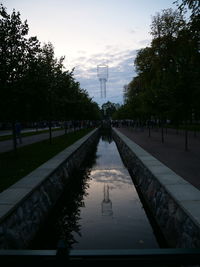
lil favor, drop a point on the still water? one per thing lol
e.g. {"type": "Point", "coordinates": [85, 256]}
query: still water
{"type": "Point", "coordinates": [105, 212]}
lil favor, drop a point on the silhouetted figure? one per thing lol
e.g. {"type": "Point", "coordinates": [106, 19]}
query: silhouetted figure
{"type": "Point", "coordinates": [18, 132]}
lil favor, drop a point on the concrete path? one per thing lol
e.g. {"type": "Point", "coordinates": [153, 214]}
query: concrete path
{"type": "Point", "coordinates": [172, 152]}
{"type": "Point", "coordinates": [8, 144]}
{"type": "Point", "coordinates": [9, 132]}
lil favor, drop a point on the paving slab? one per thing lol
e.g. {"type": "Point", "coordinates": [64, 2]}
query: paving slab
{"type": "Point", "coordinates": [183, 192]}
{"type": "Point", "coordinates": [170, 179]}
{"type": "Point", "coordinates": [12, 196]}
{"type": "Point", "coordinates": [4, 209]}
{"type": "Point", "coordinates": [193, 208]}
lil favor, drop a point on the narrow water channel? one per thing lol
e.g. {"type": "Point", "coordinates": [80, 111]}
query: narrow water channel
{"type": "Point", "coordinates": [102, 210]}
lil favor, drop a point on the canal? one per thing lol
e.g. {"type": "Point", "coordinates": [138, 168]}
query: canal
{"type": "Point", "coordinates": [100, 208]}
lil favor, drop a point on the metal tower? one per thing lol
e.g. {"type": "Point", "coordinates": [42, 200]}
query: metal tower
{"type": "Point", "coordinates": [102, 74]}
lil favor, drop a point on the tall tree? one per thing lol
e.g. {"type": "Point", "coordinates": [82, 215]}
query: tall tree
{"type": "Point", "coordinates": [16, 50]}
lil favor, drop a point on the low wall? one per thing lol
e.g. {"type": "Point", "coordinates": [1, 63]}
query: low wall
{"type": "Point", "coordinates": [25, 205]}
{"type": "Point", "coordinates": [173, 202]}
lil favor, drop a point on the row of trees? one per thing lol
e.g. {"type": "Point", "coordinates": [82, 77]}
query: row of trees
{"type": "Point", "coordinates": [34, 85]}
{"type": "Point", "coordinates": [167, 85]}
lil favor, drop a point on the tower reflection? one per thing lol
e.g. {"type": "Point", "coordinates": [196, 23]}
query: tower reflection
{"type": "Point", "coordinates": [106, 205]}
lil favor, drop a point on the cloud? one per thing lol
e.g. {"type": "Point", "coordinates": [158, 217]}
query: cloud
{"type": "Point", "coordinates": [120, 72]}
{"type": "Point", "coordinates": [144, 42]}
{"type": "Point", "coordinates": [82, 52]}
{"type": "Point", "coordinates": [132, 31]}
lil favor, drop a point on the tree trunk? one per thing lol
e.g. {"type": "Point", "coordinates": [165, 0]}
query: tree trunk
{"type": "Point", "coordinates": [149, 127]}
{"type": "Point", "coordinates": [186, 136]}
{"type": "Point", "coordinates": [14, 137]}
{"type": "Point", "coordinates": [162, 133]}
{"type": "Point", "coordinates": [50, 133]}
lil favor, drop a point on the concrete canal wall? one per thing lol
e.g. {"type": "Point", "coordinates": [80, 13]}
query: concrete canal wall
{"type": "Point", "coordinates": [25, 205]}
{"type": "Point", "coordinates": [173, 202]}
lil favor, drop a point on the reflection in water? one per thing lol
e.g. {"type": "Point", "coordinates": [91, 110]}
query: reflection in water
{"type": "Point", "coordinates": [116, 177]}
{"type": "Point", "coordinates": [64, 222]}
{"type": "Point", "coordinates": [106, 134]}
{"type": "Point", "coordinates": [106, 204]}
{"type": "Point", "coordinates": [84, 221]}
{"type": "Point", "coordinates": [68, 220]}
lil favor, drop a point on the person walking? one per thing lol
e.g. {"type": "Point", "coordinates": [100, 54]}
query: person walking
{"type": "Point", "coordinates": [18, 132]}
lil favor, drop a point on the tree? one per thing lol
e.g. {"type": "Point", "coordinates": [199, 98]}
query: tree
{"type": "Point", "coordinates": [108, 109]}
{"type": "Point", "coordinates": [122, 113]}
{"type": "Point", "coordinates": [16, 52]}
{"type": "Point", "coordinates": [193, 5]}
{"type": "Point", "coordinates": [165, 31]}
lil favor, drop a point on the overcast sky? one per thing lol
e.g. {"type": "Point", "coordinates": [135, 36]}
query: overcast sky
{"type": "Point", "coordinates": [92, 32]}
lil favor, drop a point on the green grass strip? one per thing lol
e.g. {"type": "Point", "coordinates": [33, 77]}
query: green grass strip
{"type": "Point", "coordinates": [15, 166]}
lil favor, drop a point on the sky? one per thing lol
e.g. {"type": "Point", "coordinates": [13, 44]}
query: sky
{"type": "Point", "coordinates": [93, 32]}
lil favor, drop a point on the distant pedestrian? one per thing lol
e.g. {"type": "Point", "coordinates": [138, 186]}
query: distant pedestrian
{"type": "Point", "coordinates": [18, 132]}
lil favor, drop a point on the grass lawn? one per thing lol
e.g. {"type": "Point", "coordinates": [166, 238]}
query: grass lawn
{"type": "Point", "coordinates": [14, 167]}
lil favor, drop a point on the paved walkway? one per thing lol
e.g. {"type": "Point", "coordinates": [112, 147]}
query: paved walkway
{"type": "Point", "coordinates": [8, 144]}
{"type": "Point", "coordinates": [172, 152]}
{"type": "Point", "coordinates": [9, 132]}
